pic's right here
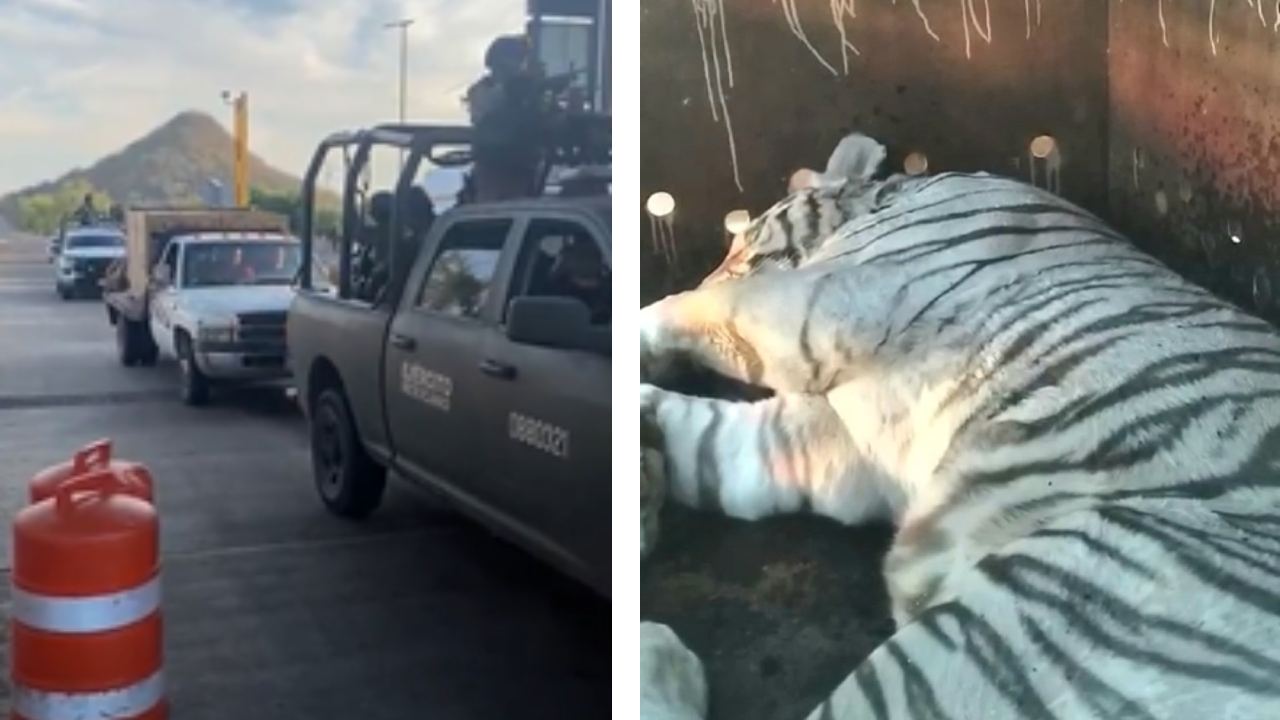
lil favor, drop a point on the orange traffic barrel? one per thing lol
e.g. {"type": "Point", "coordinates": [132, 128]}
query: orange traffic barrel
{"type": "Point", "coordinates": [85, 622]}
{"type": "Point", "coordinates": [94, 456]}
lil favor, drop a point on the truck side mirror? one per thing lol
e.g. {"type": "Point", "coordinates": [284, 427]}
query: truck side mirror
{"type": "Point", "coordinates": [559, 322]}
{"type": "Point", "coordinates": [162, 276]}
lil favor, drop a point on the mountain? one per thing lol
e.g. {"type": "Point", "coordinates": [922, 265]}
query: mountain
{"type": "Point", "coordinates": [171, 164]}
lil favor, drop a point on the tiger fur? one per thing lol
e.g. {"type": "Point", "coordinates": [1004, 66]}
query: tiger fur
{"type": "Point", "coordinates": [1080, 450]}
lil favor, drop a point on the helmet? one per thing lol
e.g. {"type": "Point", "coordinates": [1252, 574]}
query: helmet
{"type": "Point", "coordinates": [506, 54]}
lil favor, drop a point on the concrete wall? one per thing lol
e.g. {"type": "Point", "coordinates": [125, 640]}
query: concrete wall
{"type": "Point", "coordinates": [1195, 154]}
{"type": "Point", "coordinates": [791, 98]}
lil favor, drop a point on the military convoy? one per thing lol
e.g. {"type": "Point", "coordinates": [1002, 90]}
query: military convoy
{"type": "Point", "coordinates": [466, 351]}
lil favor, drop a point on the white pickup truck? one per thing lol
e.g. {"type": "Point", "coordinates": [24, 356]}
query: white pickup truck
{"type": "Point", "coordinates": [210, 289]}
{"type": "Point", "coordinates": [83, 255]}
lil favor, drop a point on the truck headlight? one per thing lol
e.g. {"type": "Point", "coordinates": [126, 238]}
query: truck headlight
{"type": "Point", "coordinates": [66, 264]}
{"type": "Point", "coordinates": [217, 333]}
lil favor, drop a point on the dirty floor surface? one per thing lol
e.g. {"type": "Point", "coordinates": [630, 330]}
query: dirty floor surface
{"type": "Point", "coordinates": [779, 611]}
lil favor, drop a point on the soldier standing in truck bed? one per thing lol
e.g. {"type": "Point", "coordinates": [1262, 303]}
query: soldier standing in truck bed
{"type": "Point", "coordinates": [507, 118]}
{"type": "Point", "coordinates": [86, 214]}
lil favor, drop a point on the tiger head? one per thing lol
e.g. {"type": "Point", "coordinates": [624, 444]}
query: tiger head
{"type": "Point", "coordinates": [787, 233]}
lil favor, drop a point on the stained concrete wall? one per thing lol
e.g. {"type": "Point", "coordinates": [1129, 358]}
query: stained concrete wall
{"type": "Point", "coordinates": [766, 82]}
{"type": "Point", "coordinates": [1194, 149]}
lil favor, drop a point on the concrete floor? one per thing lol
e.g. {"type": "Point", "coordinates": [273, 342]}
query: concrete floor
{"type": "Point", "coordinates": [780, 611]}
{"type": "Point", "coordinates": [273, 608]}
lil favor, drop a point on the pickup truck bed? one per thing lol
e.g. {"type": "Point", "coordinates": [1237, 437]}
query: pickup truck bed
{"type": "Point", "coordinates": [147, 230]}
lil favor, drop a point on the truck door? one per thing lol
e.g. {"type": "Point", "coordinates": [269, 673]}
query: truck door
{"type": "Point", "coordinates": [434, 350]}
{"type": "Point", "coordinates": [549, 416]}
{"type": "Point", "coordinates": [164, 299]}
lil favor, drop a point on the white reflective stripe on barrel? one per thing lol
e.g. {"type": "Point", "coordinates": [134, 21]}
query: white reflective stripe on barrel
{"type": "Point", "coordinates": [95, 613]}
{"type": "Point", "coordinates": [120, 703]}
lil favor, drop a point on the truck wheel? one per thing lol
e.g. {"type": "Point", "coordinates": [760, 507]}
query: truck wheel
{"type": "Point", "coordinates": [64, 293]}
{"type": "Point", "coordinates": [195, 386]}
{"type": "Point", "coordinates": [126, 342]}
{"type": "Point", "coordinates": [350, 482]}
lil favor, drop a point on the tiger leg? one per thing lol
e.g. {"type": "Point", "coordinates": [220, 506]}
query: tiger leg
{"type": "Point", "coordinates": [799, 331]}
{"type": "Point", "coordinates": [753, 459]}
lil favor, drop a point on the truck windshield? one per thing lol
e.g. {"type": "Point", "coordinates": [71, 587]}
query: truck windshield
{"type": "Point", "coordinates": [76, 242]}
{"type": "Point", "coordinates": [247, 263]}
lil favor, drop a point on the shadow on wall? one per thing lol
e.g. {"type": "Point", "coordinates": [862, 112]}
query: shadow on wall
{"type": "Point", "coordinates": [1169, 132]}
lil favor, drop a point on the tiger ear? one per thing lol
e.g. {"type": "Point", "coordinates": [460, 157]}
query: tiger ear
{"type": "Point", "coordinates": [857, 157]}
{"type": "Point", "coordinates": [803, 179]}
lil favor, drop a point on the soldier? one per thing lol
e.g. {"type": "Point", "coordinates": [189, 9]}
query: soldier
{"type": "Point", "coordinates": [580, 273]}
{"type": "Point", "coordinates": [506, 114]}
{"type": "Point", "coordinates": [86, 214]}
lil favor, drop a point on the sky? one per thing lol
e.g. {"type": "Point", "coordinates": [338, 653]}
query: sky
{"type": "Point", "coordinates": [80, 79]}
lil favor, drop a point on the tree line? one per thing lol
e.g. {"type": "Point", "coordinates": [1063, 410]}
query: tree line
{"type": "Point", "coordinates": [44, 212]}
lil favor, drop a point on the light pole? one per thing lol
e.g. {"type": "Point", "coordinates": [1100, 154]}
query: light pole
{"type": "Point", "coordinates": [404, 57]}
{"type": "Point", "coordinates": [404, 70]}
{"type": "Point", "coordinates": [240, 144]}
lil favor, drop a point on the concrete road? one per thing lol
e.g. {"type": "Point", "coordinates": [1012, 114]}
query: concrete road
{"type": "Point", "coordinates": [273, 608]}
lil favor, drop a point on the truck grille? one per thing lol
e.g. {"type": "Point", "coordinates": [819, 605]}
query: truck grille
{"type": "Point", "coordinates": [268, 326]}
{"type": "Point", "coordinates": [93, 267]}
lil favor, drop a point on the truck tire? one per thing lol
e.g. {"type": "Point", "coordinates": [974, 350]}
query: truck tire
{"type": "Point", "coordinates": [350, 482]}
{"type": "Point", "coordinates": [194, 386]}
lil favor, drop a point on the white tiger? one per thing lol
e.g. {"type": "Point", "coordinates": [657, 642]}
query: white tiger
{"type": "Point", "coordinates": [1080, 450]}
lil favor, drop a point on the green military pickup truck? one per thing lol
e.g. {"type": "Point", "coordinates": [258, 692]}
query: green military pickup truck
{"type": "Point", "coordinates": [468, 352]}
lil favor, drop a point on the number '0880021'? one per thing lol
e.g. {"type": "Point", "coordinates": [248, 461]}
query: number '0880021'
{"type": "Point", "coordinates": [538, 434]}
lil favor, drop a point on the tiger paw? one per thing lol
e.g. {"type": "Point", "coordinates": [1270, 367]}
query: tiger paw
{"type": "Point", "coordinates": [672, 683]}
